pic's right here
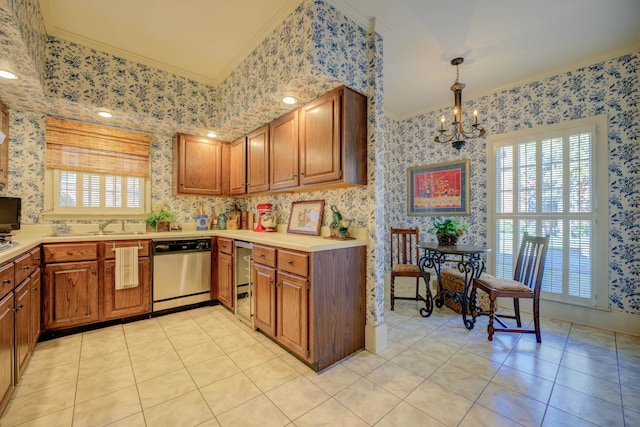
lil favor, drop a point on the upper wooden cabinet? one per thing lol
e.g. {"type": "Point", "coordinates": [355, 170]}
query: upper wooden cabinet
{"type": "Point", "coordinates": [323, 144]}
{"type": "Point", "coordinates": [333, 140]}
{"type": "Point", "coordinates": [258, 160]}
{"type": "Point", "coordinates": [238, 167]}
{"type": "Point", "coordinates": [283, 153]}
{"type": "Point", "coordinates": [4, 146]}
{"type": "Point", "coordinates": [200, 166]}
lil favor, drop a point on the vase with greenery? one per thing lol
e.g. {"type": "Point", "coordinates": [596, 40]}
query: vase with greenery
{"type": "Point", "coordinates": [448, 230]}
{"type": "Point", "coordinates": [159, 219]}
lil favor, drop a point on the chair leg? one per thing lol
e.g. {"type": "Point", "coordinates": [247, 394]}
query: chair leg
{"type": "Point", "coordinates": [536, 318]}
{"type": "Point", "coordinates": [393, 292]}
{"type": "Point", "coordinates": [516, 309]}
{"type": "Point", "coordinates": [492, 310]}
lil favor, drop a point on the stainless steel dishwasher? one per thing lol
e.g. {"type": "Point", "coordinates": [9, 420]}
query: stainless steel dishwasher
{"type": "Point", "coordinates": [181, 272]}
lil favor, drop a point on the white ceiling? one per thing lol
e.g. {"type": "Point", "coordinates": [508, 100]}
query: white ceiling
{"type": "Point", "coordinates": [504, 42]}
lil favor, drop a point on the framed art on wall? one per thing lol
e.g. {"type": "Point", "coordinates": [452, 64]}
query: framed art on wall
{"type": "Point", "coordinates": [305, 217]}
{"type": "Point", "coordinates": [439, 189]}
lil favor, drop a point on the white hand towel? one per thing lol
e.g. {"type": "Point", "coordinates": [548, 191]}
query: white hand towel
{"type": "Point", "coordinates": [126, 267]}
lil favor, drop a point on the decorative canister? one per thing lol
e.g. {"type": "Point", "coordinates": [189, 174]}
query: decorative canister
{"type": "Point", "coordinates": [201, 222]}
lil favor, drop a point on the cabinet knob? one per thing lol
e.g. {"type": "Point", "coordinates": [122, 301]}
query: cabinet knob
{"type": "Point", "coordinates": [6, 281]}
{"type": "Point", "coordinates": [93, 272]}
{"type": "Point", "coordinates": [302, 173]}
{"type": "Point", "coordinates": [26, 267]}
{"type": "Point", "coordinates": [109, 270]}
{"type": "Point", "coordinates": [277, 285]}
{"type": "Point", "coordinates": [270, 282]}
{"type": "Point", "coordinates": [18, 308]}
{"type": "Point", "coordinates": [34, 289]}
{"type": "Point", "coordinates": [290, 262]}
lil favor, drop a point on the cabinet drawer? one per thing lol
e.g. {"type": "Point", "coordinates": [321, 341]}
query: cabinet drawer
{"type": "Point", "coordinates": [6, 278]}
{"type": "Point", "coordinates": [64, 252]}
{"type": "Point", "coordinates": [293, 262]}
{"type": "Point", "coordinates": [36, 258]}
{"type": "Point", "coordinates": [144, 247]}
{"type": "Point", "coordinates": [22, 267]}
{"type": "Point", "coordinates": [264, 255]}
{"type": "Point", "coordinates": [225, 245]}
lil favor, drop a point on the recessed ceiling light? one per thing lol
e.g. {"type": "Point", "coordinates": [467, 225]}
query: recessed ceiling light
{"type": "Point", "coordinates": [289, 100]}
{"type": "Point", "coordinates": [7, 75]}
{"type": "Point", "coordinates": [105, 114]}
{"type": "Point", "coordinates": [212, 134]}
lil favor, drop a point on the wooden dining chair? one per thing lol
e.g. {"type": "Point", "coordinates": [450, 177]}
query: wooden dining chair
{"type": "Point", "coordinates": [404, 260]}
{"type": "Point", "coordinates": [526, 283]}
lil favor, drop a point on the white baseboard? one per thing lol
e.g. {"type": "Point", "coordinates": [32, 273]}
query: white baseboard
{"type": "Point", "coordinates": [375, 338]}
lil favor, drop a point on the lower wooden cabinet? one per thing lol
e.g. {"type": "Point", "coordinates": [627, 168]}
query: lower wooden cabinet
{"type": "Point", "coordinates": [120, 303]}
{"type": "Point", "coordinates": [7, 364]}
{"type": "Point", "coordinates": [70, 294]}
{"type": "Point", "coordinates": [313, 304]}
{"type": "Point", "coordinates": [264, 297]}
{"type": "Point", "coordinates": [225, 267]}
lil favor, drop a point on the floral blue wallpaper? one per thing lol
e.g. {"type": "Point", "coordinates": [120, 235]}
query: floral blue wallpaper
{"type": "Point", "coordinates": [610, 87]}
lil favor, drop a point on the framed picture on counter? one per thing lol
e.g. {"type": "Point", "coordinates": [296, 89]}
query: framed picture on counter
{"type": "Point", "coordinates": [306, 217]}
{"type": "Point", "coordinates": [439, 189]}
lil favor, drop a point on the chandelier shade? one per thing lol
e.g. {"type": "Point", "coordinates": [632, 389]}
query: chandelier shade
{"type": "Point", "coordinates": [457, 134]}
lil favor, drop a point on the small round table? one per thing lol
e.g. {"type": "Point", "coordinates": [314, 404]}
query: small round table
{"type": "Point", "coordinates": [471, 262]}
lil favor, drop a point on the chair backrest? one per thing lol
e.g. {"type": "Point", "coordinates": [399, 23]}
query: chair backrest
{"type": "Point", "coordinates": [404, 249]}
{"type": "Point", "coordinates": [531, 259]}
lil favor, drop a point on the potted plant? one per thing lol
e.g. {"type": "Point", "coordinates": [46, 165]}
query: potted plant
{"type": "Point", "coordinates": [159, 219]}
{"type": "Point", "coordinates": [448, 230]}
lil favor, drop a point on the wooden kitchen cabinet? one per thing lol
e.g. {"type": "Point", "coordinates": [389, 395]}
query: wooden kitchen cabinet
{"type": "Point", "coordinates": [70, 295]}
{"type": "Point", "coordinates": [120, 303]}
{"type": "Point", "coordinates": [22, 326]}
{"type": "Point", "coordinates": [333, 140]}
{"type": "Point", "coordinates": [199, 166]}
{"type": "Point", "coordinates": [225, 272]}
{"type": "Point", "coordinates": [4, 147]}
{"type": "Point", "coordinates": [258, 160]}
{"type": "Point", "coordinates": [238, 167]}
{"type": "Point", "coordinates": [317, 301]}
{"type": "Point", "coordinates": [7, 354]}
{"type": "Point", "coordinates": [283, 152]}
{"type": "Point", "coordinates": [264, 297]}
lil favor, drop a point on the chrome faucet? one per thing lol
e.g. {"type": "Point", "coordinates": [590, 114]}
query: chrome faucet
{"type": "Point", "coordinates": [102, 226]}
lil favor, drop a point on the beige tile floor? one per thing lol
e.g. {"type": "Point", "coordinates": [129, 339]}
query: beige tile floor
{"type": "Point", "coordinates": [204, 368]}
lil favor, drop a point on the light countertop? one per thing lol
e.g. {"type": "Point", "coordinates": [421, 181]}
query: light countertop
{"type": "Point", "coordinates": [29, 237]}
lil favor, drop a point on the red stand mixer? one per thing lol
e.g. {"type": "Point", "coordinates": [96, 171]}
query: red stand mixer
{"type": "Point", "coordinates": [266, 221]}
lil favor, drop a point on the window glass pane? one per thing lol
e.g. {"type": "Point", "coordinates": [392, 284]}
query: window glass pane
{"type": "Point", "coordinates": [504, 252]}
{"type": "Point", "coordinates": [504, 179]}
{"type": "Point", "coordinates": [554, 263]}
{"type": "Point", "coordinates": [580, 261]}
{"type": "Point", "coordinates": [580, 173]}
{"type": "Point", "coordinates": [113, 191]}
{"type": "Point", "coordinates": [527, 177]}
{"type": "Point", "coordinates": [91, 191]}
{"type": "Point", "coordinates": [67, 188]}
{"type": "Point", "coordinates": [134, 192]}
{"type": "Point", "coordinates": [552, 175]}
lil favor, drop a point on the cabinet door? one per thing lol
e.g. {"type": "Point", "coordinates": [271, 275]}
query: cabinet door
{"type": "Point", "coordinates": [36, 307]}
{"type": "Point", "coordinates": [258, 160]}
{"type": "Point", "coordinates": [7, 371]}
{"type": "Point", "coordinates": [283, 134]}
{"type": "Point", "coordinates": [264, 297]}
{"type": "Point", "coordinates": [225, 279]}
{"type": "Point", "coordinates": [4, 147]}
{"type": "Point", "coordinates": [320, 140]}
{"type": "Point", "coordinates": [292, 316]}
{"type": "Point", "coordinates": [23, 327]}
{"type": "Point", "coordinates": [70, 294]}
{"type": "Point", "coordinates": [199, 165]}
{"type": "Point", "coordinates": [238, 167]}
{"type": "Point", "coordinates": [126, 302]}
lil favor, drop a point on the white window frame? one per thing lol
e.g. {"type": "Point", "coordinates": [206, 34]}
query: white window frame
{"type": "Point", "coordinates": [599, 248]}
{"type": "Point", "coordinates": [53, 211]}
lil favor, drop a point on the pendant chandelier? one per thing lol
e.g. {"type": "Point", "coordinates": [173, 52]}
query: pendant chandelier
{"type": "Point", "coordinates": [457, 135]}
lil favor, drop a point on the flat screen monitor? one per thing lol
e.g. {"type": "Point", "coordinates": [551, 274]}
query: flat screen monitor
{"type": "Point", "coordinates": [10, 210]}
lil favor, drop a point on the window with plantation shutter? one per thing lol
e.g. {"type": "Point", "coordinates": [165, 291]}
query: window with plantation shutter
{"type": "Point", "coordinates": [96, 169]}
{"type": "Point", "coordinates": [547, 182]}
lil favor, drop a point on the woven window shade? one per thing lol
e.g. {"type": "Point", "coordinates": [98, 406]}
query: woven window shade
{"type": "Point", "coordinates": [87, 147]}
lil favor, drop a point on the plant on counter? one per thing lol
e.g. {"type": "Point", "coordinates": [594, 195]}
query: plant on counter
{"type": "Point", "coordinates": [157, 215]}
{"type": "Point", "coordinates": [448, 230]}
